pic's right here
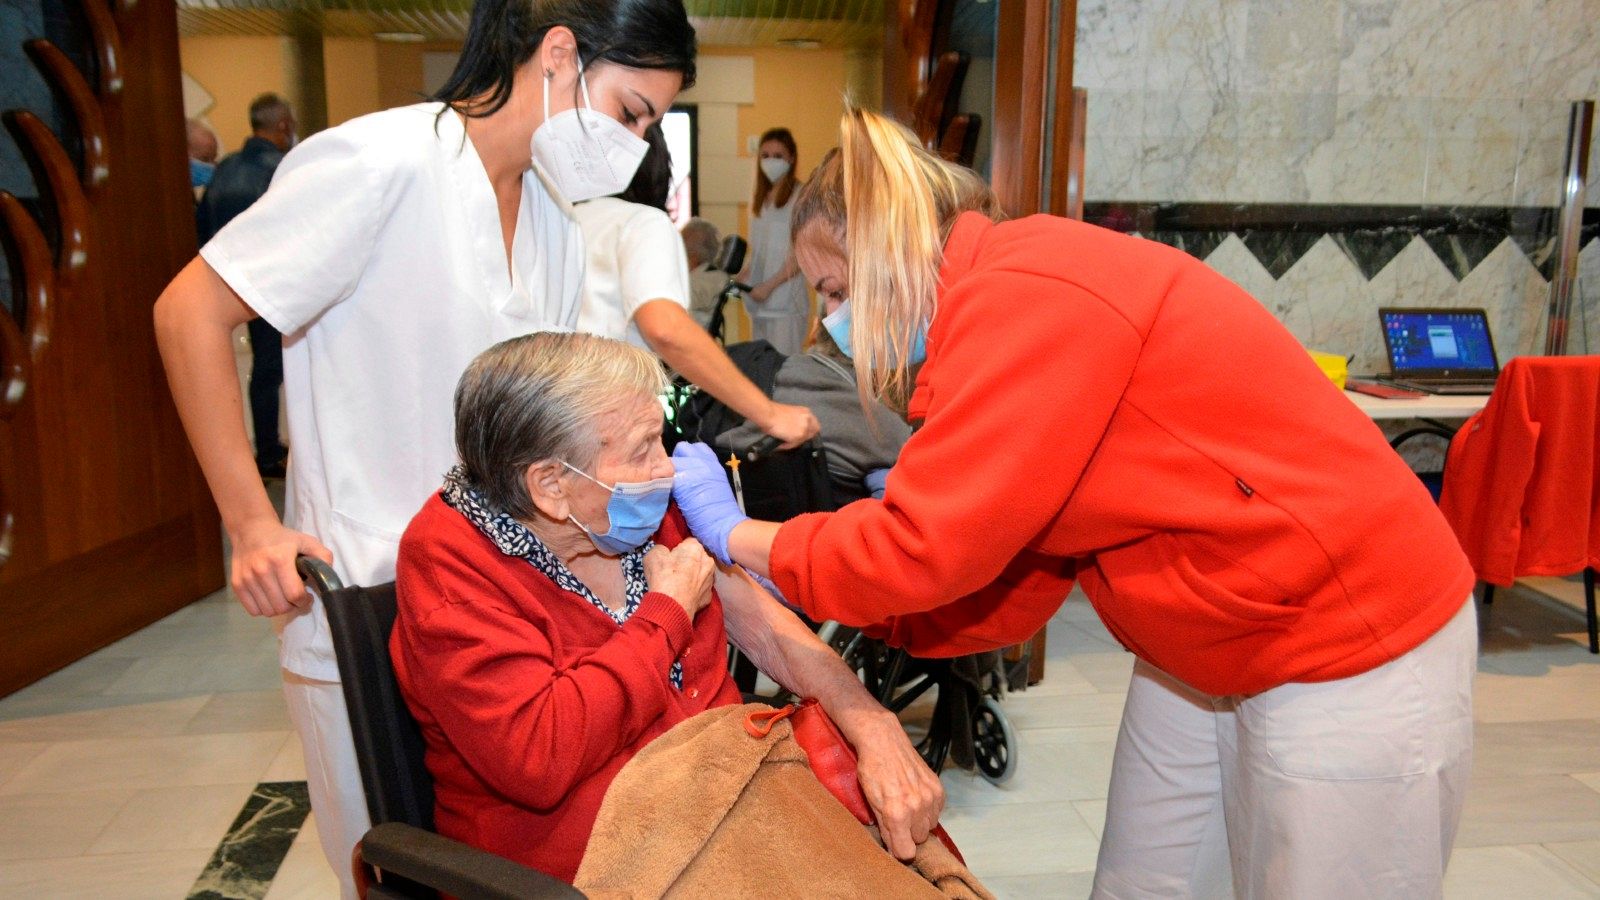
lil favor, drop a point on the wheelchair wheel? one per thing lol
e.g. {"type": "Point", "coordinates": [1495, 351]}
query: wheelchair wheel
{"type": "Point", "coordinates": [994, 744]}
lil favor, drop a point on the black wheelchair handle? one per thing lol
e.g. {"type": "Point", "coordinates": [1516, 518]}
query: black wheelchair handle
{"type": "Point", "coordinates": [762, 448]}
{"type": "Point", "coordinates": [318, 575]}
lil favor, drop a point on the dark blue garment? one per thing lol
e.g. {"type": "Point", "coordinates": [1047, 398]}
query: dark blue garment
{"type": "Point", "coordinates": [239, 181]}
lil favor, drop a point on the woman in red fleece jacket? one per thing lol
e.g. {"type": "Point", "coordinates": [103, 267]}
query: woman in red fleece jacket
{"type": "Point", "coordinates": [554, 617]}
{"type": "Point", "coordinates": [1108, 410]}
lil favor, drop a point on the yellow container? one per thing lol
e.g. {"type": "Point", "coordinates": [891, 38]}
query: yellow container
{"type": "Point", "coordinates": [1336, 367]}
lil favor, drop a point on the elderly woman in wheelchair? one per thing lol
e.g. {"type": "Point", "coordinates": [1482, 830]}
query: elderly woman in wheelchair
{"type": "Point", "coordinates": [555, 616]}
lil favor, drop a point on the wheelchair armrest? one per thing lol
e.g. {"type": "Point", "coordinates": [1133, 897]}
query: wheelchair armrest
{"type": "Point", "coordinates": [454, 868]}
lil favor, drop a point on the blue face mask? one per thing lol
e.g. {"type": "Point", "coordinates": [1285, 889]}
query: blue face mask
{"type": "Point", "coordinates": [200, 173]}
{"type": "Point", "coordinates": [838, 325]}
{"type": "Point", "coordinates": [635, 511]}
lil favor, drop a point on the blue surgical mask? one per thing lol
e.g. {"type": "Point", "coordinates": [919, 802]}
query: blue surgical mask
{"type": "Point", "coordinates": [838, 325]}
{"type": "Point", "coordinates": [635, 511]}
{"type": "Point", "coordinates": [200, 173]}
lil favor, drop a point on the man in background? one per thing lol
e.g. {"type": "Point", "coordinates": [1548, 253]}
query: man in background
{"type": "Point", "coordinates": [239, 181]}
{"type": "Point", "coordinates": [202, 154]}
{"type": "Point", "coordinates": [700, 244]}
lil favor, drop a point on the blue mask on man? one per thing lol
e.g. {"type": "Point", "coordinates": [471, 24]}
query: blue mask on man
{"type": "Point", "coordinates": [200, 173]}
{"type": "Point", "coordinates": [838, 325]}
{"type": "Point", "coordinates": [635, 510]}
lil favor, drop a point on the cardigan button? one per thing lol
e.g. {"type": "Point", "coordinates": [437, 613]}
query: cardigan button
{"type": "Point", "coordinates": [693, 693]}
{"type": "Point", "coordinates": [685, 653]}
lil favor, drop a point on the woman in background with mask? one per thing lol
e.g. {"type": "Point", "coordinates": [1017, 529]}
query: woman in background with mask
{"type": "Point", "coordinates": [390, 251]}
{"type": "Point", "coordinates": [778, 304]}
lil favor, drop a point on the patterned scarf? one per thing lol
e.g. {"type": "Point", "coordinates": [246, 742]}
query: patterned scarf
{"type": "Point", "coordinates": [515, 539]}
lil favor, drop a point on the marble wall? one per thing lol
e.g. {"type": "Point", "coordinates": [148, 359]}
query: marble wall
{"type": "Point", "coordinates": [1441, 123]}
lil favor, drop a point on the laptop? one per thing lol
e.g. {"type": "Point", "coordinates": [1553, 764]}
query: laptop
{"type": "Point", "coordinates": [1439, 351]}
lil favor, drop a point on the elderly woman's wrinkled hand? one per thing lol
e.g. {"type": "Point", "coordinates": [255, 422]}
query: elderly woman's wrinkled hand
{"type": "Point", "coordinates": [905, 795]}
{"type": "Point", "coordinates": [705, 498]}
{"type": "Point", "coordinates": [683, 573]}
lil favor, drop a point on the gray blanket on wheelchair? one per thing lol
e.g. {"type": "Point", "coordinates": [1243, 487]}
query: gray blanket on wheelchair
{"type": "Point", "coordinates": [855, 444]}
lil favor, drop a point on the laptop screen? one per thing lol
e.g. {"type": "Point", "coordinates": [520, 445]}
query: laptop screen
{"type": "Point", "coordinates": [1439, 342]}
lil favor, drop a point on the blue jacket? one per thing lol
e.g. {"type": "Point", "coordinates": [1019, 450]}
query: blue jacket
{"type": "Point", "coordinates": [239, 181]}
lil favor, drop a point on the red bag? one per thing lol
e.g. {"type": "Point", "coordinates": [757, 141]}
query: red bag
{"type": "Point", "coordinates": [832, 758]}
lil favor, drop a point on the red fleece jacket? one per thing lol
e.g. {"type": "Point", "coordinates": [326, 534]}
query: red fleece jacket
{"type": "Point", "coordinates": [531, 699]}
{"type": "Point", "coordinates": [1522, 488]}
{"type": "Point", "coordinates": [1105, 408]}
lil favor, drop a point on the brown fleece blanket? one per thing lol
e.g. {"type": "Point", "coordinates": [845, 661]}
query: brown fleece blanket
{"type": "Point", "coordinates": [708, 810]}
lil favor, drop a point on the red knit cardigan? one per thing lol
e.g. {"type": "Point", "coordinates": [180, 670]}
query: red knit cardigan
{"type": "Point", "coordinates": [531, 699]}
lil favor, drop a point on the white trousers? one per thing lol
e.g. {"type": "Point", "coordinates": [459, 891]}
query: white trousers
{"type": "Point", "coordinates": [1343, 789]}
{"type": "Point", "coordinates": [332, 778]}
{"type": "Point", "coordinates": [785, 333]}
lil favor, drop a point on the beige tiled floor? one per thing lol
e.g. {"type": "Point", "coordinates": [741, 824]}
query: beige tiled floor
{"type": "Point", "coordinates": [119, 774]}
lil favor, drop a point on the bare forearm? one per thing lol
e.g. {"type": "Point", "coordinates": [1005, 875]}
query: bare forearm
{"type": "Point", "coordinates": [791, 268]}
{"type": "Point", "coordinates": [905, 795]}
{"type": "Point", "coordinates": [787, 651]}
{"type": "Point", "coordinates": [194, 332]}
{"type": "Point", "coordinates": [750, 545]}
{"type": "Point", "coordinates": [688, 348]}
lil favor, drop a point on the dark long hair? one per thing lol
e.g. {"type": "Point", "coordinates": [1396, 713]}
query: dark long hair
{"type": "Point", "coordinates": [652, 183]}
{"type": "Point", "coordinates": [505, 34]}
{"type": "Point", "coordinates": [781, 191]}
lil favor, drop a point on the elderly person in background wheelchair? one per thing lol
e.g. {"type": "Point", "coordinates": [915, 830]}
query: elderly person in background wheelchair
{"type": "Point", "coordinates": [555, 616]}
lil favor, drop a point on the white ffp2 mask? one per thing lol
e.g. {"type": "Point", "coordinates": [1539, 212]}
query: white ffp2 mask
{"type": "Point", "coordinates": [774, 168]}
{"type": "Point", "coordinates": [586, 153]}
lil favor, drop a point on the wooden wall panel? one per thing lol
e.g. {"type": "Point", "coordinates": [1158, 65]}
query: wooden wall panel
{"type": "Point", "coordinates": [114, 527]}
{"type": "Point", "coordinates": [1020, 68]}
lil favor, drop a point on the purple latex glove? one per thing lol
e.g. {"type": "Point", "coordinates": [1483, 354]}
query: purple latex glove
{"type": "Point", "coordinates": [877, 482]}
{"type": "Point", "coordinates": [704, 496]}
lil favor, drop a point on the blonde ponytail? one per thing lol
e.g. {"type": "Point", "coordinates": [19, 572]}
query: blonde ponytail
{"type": "Point", "coordinates": [890, 205]}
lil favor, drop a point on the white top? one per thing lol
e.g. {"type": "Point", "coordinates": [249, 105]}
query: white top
{"type": "Point", "coordinates": [769, 250]}
{"type": "Point", "coordinates": [635, 255]}
{"type": "Point", "coordinates": [379, 255]}
{"type": "Point", "coordinates": [1433, 406]}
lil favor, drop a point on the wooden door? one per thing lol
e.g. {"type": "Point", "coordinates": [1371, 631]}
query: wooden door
{"type": "Point", "coordinates": [107, 524]}
{"type": "Point", "coordinates": [1033, 113]}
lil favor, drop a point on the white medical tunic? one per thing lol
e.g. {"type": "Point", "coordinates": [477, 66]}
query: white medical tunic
{"type": "Point", "coordinates": [770, 244]}
{"type": "Point", "coordinates": [635, 255]}
{"type": "Point", "coordinates": [378, 253]}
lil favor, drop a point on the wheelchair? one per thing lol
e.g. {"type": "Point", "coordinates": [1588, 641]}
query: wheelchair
{"type": "Point", "coordinates": [402, 858]}
{"type": "Point", "coordinates": [730, 259]}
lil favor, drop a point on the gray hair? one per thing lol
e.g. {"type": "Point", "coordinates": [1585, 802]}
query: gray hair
{"type": "Point", "coordinates": [539, 397]}
{"type": "Point", "coordinates": [700, 239]}
{"type": "Point", "coordinates": [268, 111]}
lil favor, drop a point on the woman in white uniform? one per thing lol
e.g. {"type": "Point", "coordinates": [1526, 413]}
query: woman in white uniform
{"type": "Point", "coordinates": [637, 289]}
{"type": "Point", "coordinates": [779, 306]}
{"type": "Point", "coordinates": [389, 252]}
